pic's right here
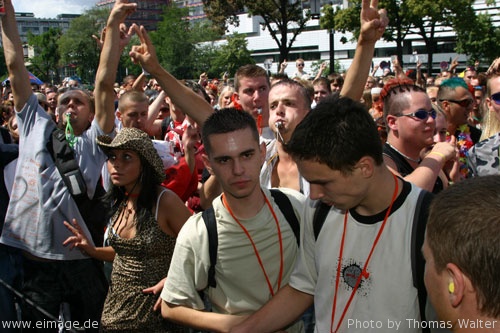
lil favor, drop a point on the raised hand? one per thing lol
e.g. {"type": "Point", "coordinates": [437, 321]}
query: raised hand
{"type": "Point", "coordinates": [121, 10]}
{"type": "Point", "coordinates": [145, 53]}
{"type": "Point", "coordinates": [373, 21]}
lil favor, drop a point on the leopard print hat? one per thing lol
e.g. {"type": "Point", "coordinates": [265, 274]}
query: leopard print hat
{"type": "Point", "coordinates": [138, 141]}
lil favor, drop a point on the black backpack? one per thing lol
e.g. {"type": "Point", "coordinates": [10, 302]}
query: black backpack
{"type": "Point", "coordinates": [95, 212]}
{"type": "Point", "coordinates": [208, 215]}
{"type": "Point", "coordinates": [417, 240]}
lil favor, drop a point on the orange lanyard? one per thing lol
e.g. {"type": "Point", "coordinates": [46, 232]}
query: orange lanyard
{"type": "Point", "coordinates": [271, 290]}
{"type": "Point", "coordinates": [364, 273]}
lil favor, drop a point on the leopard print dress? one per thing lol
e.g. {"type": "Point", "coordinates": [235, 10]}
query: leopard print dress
{"type": "Point", "coordinates": [140, 262]}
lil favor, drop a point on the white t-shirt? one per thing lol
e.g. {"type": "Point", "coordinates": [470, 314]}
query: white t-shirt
{"type": "Point", "coordinates": [241, 285]}
{"type": "Point", "coordinates": [387, 296]}
{"type": "Point", "coordinates": [40, 201]}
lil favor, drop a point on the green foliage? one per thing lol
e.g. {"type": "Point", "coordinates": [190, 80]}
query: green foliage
{"type": "Point", "coordinates": [77, 46]}
{"type": "Point", "coordinates": [421, 17]}
{"type": "Point", "coordinates": [233, 55]}
{"type": "Point", "coordinates": [174, 42]}
{"type": "Point", "coordinates": [280, 17]}
{"type": "Point", "coordinates": [47, 56]}
{"type": "Point", "coordinates": [481, 41]}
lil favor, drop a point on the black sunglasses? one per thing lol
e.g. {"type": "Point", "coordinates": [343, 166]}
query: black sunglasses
{"type": "Point", "coordinates": [465, 103]}
{"type": "Point", "coordinates": [420, 114]}
{"type": "Point", "coordinates": [496, 98]}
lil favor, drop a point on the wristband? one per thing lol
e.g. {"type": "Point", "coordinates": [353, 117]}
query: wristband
{"type": "Point", "coordinates": [439, 154]}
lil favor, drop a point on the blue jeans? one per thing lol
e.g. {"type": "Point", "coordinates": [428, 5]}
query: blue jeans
{"type": "Point", "coordinates": [80, 283]}
{"type": "Point", "coordinates": [11, 274]}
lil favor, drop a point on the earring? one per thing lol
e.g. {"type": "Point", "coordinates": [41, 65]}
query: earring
{"type": "Point", "coordinates": [451, 287]}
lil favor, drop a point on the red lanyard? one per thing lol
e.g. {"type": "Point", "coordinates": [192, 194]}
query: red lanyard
{"type": "Point", "coordinates": [271, 290]}
{"type": "Point", "coordinates": [259, 123]}
{"type": "Point", "coordinates": [364, 273]}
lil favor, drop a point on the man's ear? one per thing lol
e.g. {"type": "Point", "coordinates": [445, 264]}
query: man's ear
{"type": "Point", "coordinates": [392, 122]}
{"type": "Point", "coordinates": [236, 96]}
{"type": "Point", "coordinates": [366, 166]}
{"type": "Point", "coordinates": [445, 106]}
{"type": "Point", "coordinates": [119, 115]}
{"type": "Point", "coordinates": [206, 162]}
{"type": "Point", "coordinates": [458, 284]}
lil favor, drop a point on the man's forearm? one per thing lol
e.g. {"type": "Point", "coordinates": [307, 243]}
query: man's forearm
{"type": "Point", "coordinates": [198, 319]}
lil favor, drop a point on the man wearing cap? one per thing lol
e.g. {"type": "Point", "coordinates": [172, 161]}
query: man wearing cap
{"type": "Point", "coordinates": [40, 199]}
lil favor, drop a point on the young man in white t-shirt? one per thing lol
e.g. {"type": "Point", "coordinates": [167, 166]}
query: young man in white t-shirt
{"type": "Point", "coordinates": [256, 245]}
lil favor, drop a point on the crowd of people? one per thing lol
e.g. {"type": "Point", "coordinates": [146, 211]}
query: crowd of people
{"type": "Point", "coordinates": [347, 203]}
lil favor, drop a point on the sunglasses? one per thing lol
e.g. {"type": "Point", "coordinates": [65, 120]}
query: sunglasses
{"type": "Point", "coordinates": [496, 98]}
{"type": "Point", "coordinates": [420, 114]}
{"type": "Point", "coordinates": [300, 65]}
{"type": "Point", "coordinates": [465, 103]}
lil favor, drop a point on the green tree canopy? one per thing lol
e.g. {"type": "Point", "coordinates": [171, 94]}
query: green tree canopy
{"type": "Point", "coordinates": [283, 19]}
{"type": "Point", "coordinates": [233, 55]}
{"type": "Point", "coordinates": [77, 46]}
{"type": "Point", "coordinates": [47, 56]}
{"type": "Point", "coordinates": [174, 42]}
{"type": "Point", "coordinates": [421, 17]}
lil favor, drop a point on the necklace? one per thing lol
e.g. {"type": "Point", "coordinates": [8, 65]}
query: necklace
{"type": "Point", "coordinates": [280, 276]}
{"type": "Point", "coordinates": [364, 273]}
{"type": "Point", "coordinates": [405, 156]}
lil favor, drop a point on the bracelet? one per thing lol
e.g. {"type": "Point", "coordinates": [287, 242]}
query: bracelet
{"type": "Point", "coordinates": [439, 154]}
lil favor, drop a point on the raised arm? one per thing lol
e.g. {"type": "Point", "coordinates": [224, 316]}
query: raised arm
{"type": "Point", "coordinates": [153, 124]}
{"type": "Point", "coordinates": [191, 103]}
{"type": "Point", "coordinates": [373, 23]}
{"type": "Point", "coordinates": [14, 58]}
{"type": "Point", "coordinates": [116, 38]}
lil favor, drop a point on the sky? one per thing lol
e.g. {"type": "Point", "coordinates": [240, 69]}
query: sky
{"type": "Point", "coordinates": [52, 8]}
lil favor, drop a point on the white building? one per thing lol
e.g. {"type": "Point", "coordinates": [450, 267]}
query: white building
{"type": "Point", "coordinates": [313, 44]}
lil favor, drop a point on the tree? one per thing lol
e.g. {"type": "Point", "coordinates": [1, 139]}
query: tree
{"type": "Point", "coordinates": [46, 54]}
{"type": "Point", "coordinates": [420, 17]}
{"type": "Point", "coordinates": [77, 46]}
{"type": "Point", "coordinates": [481, 40]}
{"type": "Point", "coordinates": [284, 19]}
{"type": "Point", "coordinates": [427, 15]}
{"type": "Point", "coordinates": [174, 42]}
{"type": "Point", "coordinates": [233, 55]}
{"type": "Point", "coordinates": [347, 19]}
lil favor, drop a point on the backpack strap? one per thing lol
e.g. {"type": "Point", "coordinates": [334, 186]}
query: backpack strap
{"type": "Point", "coordinates": [286, 209]}
{"type": "Point", "coordinates": [417, 240]}
{"type": "Point", "coordinates": [94, 211]}
{"type": "Point", "coordinates": [208, 216]}
{"type": "Point", "coordinates": [213, 243]}
{"type": "Point", "coordinates": [322, 210]}
{"type": "Point", "coordinates": [64, 159]}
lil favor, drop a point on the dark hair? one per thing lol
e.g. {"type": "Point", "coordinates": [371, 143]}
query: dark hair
{"type": "Point", "coordinates": [464, 229]}
{"type": "Point", "coordinates": [323, 81]}
{"type": "Point", "coordinates": [225, 121]}
{"type": "Point", "coordinates": [249, 71]}
{"type": "Point", "coordinates": [197, 88]}
{"type": "Point", "coordinates": [303, 92]}
{"type": "Point", "coordinates": [338, 133]}
{"type": "Point", "coordinates": [147, 196]}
